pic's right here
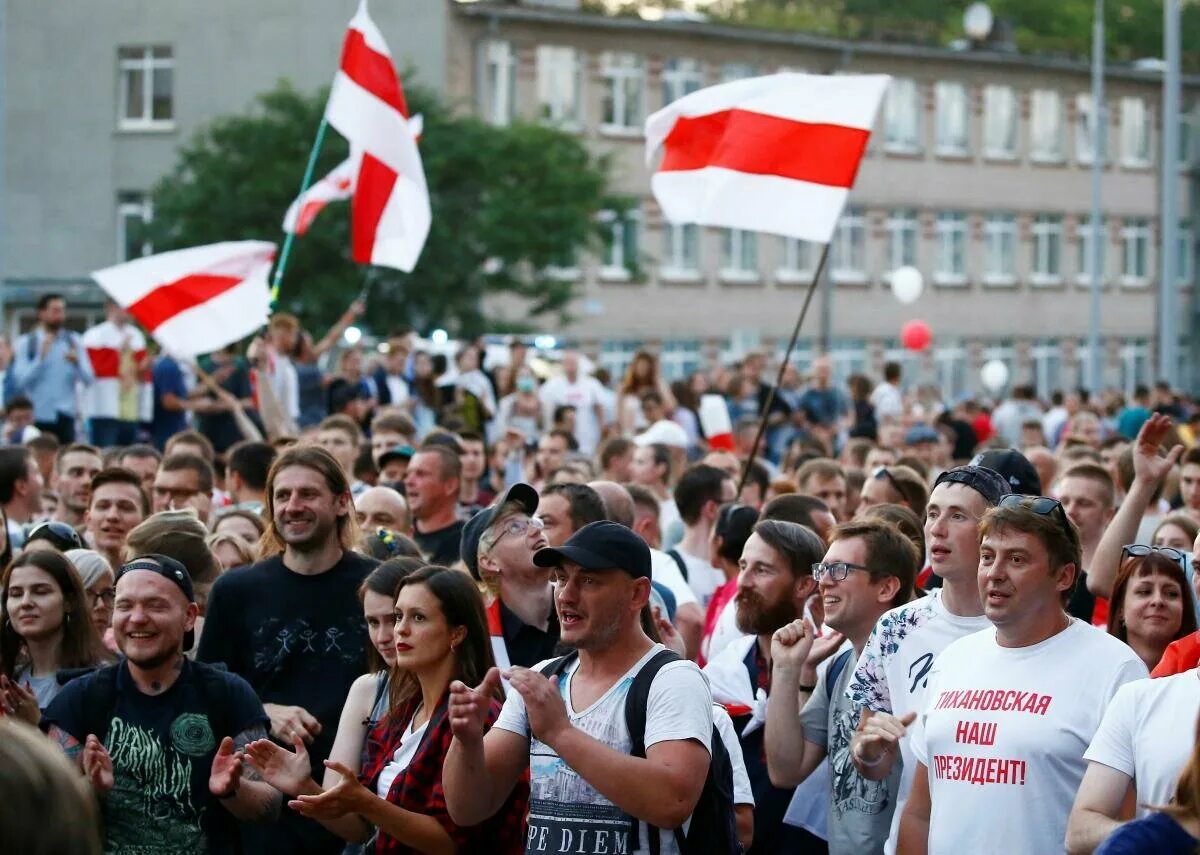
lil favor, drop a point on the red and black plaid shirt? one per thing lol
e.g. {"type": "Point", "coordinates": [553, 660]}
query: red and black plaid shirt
{"type": "Point", "coordinates": [418, 788]}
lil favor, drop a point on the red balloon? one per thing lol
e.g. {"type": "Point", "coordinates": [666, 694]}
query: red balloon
{"type": "Point", "coordinates": [916, 335]}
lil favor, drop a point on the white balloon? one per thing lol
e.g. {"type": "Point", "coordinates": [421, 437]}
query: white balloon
{"type": "Point", "coordinates": [994, 375]}
{"type": "Point", "coordinates": [907, 284]}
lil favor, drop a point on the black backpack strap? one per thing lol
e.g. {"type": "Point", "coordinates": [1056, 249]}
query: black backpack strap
{"type": "Point", "coordinates": [635, 719]}
{"type": "Point", "coordinates": [674, 553]}
{"type": "Point", "coordinates": [834, 671]}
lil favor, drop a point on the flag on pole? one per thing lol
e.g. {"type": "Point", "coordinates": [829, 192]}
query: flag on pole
{"type": "Point", "coordinates": [390, 212]}
{"type": "Point", "coordinates": [334, 187]}
{"type": "Point", "coordinates": [196, 300]}
{"type": "Point", "coordinates": [774, 154]}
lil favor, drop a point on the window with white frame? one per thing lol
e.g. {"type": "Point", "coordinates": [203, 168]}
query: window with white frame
{"type": "Point", "coordinates": [1045, 125]}
{"type": "Point", "coordinates": [799, 260]}
{"type": "Point", "coordinates": [620, 245]}
{"type": "Point", "coordinates": [1000, 116]}
{"type": "Point", "coordinates": [1135, 251]}
{"type": "Point", "coordinates": [1000, 249]}
{"type": "Point", "coordinates": [134, 213]}
{"type": "Point", "coordinates": [560, 85]}
{"type": "Point", "coordinates": [623, 99]}
{"type": "Point", "coordinates": [848, 255]}
{"type": "Point", "coordinates": [902, 116]}
{"type": "Point", "coordinates": [952, 118]}
{"type": "Point", "coordinates": [498, 81]}
{"type": "Point", "coordinates": [681, 252]}
{"type": "Point", "coordinates": [739, 255]}
{"type": "Point", "coordinates": [737, 71]}
{"type": "Point", "coordinates": [1047, 250]}
{"type": "Point", "coordinates": [1083, 264]}
{"type": "Point", "coordinates": [679, 358]}
{"type": "Point", "coordinates": [681, 76]}
{"type": "Point", "coordinates": [950, 233]}
{"type": "Point", "coordinates": [1085, 132]}
{"type": "Point", "coordinates": [1135, 133]}
{"type": "Point", "coordinates": [1183, 264]}
{"type": "Point", "coordinates": [902, 228]}
{"type": "Point", "coordinates": [146, 100]}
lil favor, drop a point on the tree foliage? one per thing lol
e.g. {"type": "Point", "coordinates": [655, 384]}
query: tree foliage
{"type": "Point", "coordinates": [507, 203]}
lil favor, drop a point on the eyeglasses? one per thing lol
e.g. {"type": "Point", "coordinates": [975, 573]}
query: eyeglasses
{"type": "Point", "coordinates": [882, 472]}
{"type": "Point", "coordinates": [518, 526]}
{"type": "Point", "coordinates": [59, 534]}
{"type": "Point", "coordinates": [1141, 550]}
{"type": "Point", "coordinates": [1042, 506]}
{"type": "Point", "coordinates": [835, 570]}
{"type": "Point", "coordinates": [108, 596]}
{"type": "Point", "coordinates": [177, 495]}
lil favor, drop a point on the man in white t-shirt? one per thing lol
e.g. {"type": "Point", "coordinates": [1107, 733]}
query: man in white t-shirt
{"type": "Point", "coordinates": [1011, 710]}
{"type": "Point", "coordinates": [699, 495]}
{"type": "Point", "coordinates": [581, 391]}
{"type": "Point", "coordinates": [1141, 745]}
{"type": "Point", "coordinates": [570, 730]}
{"type": "Point", "coordinates": [888, 686]}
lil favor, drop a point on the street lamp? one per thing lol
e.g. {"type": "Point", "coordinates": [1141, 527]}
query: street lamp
{"type": "Point", "coordinates": [1099, 129]}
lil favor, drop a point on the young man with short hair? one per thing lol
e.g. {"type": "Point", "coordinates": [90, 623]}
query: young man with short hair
{"type": "Point", "coordinates": [142, 460]}
{"type": "Point", "coordinates": [1189, 482]}
{"type": "Point", "coordinates": [1088, 495]}
{"type": "Point", "coordinates": [1011, 710]}
{"type": "Point", "coordinates": [191, 442]}
{"type": "Point", "coordinates": [473, 493]}
{"type": "Point", "coordinates": [566, 508]}
{"type": "Point", "coordinates": [341, 437]}
{"type": "Point", "coordinates": [292, 624]}
{"type": "Point", "coordinates": [552, 449]}
{"type": "Point", "coordinates": [21, 488]}
{"type": "Point", "coordinates": [74, 468]}
{"type": "Point", "coordinates": [246, 474]}
{"type": "Point", "coordinates": [615, 458]}
{"type": "Point", "coordinates": [570, 731]}
{"type": "Point", "coordinates": [117, 505]}
{"type": "Point", "coordinates": [699, 495]}
{"type": "Point", "coordinates": [184, 481]}
{"type": "Point", "coordinates": [825, 480]}
{"type": "Point", "coordinates": [390, 430]}
{"type": "Point", "coordinates": [432, 487]}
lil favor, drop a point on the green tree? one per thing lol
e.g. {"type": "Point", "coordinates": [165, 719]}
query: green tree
{"type": "Point", "coordinates": [507, 203]}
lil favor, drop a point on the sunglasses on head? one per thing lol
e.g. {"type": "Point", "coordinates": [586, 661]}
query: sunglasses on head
{"type": "Point", "coordinates": [881, 473]}
{"type": "Point", "coordinates": [1042, 506]}
{"type": "Point", "coordinates": [59, 534]}
{"type": "Point", "coordinates": [1141, 550]}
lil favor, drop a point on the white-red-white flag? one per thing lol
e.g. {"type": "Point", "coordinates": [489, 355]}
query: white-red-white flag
{"type": "Point", "coordinates": [774, 154]}
{"type": "Point", "coordinates": [196, 300]}
{"type": "Point", "coordinates": [334, 187]}
{"type": "Point", "coordinates": [390, 212]}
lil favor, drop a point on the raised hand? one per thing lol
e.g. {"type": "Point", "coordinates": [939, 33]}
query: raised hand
{"type": "Point", "coordinates": [668, 634]}
{"type": "Point", "coordinates": [289, 722]}
{"type": "Point", "coordinates": [791, 644]}
{"type": "Point", "coordinates": [290, 772]}
{"type": "Point", "coordinates": [347, 796]}
{"type": "Point", "coordinates": [97, 765]}
{"type": "Point", "coordinates": [1149, 466]}
{"type": "Point", "coordinates": [226, 774]}
{"type": "Point", "coordinates": [879, 734]}
{"type": "Point", "coordinates": [543, 703]}
{"type": "Point", "coordinates": [468, 708]}
{"type": "Point", "coordinates": [19, 701]}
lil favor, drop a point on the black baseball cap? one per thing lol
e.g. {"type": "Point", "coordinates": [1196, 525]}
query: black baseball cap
{"type": "Point", "coordinates": [603, 545]}
{"type": "Point", "coordinates": [522, 494]}
{"type": "Point", "coordinates": [58, 534]}
{"type": "Point", "coordinates": [170, 569]}
{"type": "Point", "coordinates": [1014, 467]}
{"type": "Point", "coordinates": [986, 482]}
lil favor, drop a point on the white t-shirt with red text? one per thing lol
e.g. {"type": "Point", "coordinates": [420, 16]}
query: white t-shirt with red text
{"type": "Point", "coordinates": [1003, 735]}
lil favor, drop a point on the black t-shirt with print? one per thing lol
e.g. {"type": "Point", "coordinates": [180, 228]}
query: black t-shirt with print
{"type": "Point", "coordinates": [443, 546]}
{"type": "Point", "coordinates": [162, 747]}
{"type": "Point", "coordinates": [299, 641]}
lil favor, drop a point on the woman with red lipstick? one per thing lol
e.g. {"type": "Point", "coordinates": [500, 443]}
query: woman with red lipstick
{"type": "Point", "coordinates": [439, 635]}
{"type": "Point", "coordinates": [1149, 607]}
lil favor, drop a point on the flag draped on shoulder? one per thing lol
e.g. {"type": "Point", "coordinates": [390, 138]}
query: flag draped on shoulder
{"type": "Point", "coordinates": [390, 211]}
{"type": "Point", "coordinates": [196, 300]}
{"type": "Point", "coordinates": [774, 154]}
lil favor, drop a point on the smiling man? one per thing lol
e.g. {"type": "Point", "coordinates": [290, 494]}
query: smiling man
{"type": "Point", "coordinates": [292, 624]}
{"type": "Point", "coordinates": [117, 505]}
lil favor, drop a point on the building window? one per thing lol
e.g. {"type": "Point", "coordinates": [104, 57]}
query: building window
{"type": "Point", "coordinates": [498, 87]}
{"type": "Point", "coordinates": [1047, 249]}
{"type": "Point", "coordinates": [952, 118]}
{"type": "Point", "coordinates": [1135, 133]}
{"type": "Point", "coordinates": [134, 213]}
{"type": "Point", "coordinates": [559, 86]}
{"type": "Point", "coordinates": [681, 252]}
{"type": "Point", "coordinates": [681, 77]}
{"type": "Point", "coordinates": [848, 255]}
{"type": "Point", "coordinates": [902, 238]}
{"type": "Point", "coordinates": [1085, 133]}
{"type": "Point", "coordinates": [1183, 265]}
{"type": "Point", "coordinates": [799, 261]}
{"type": "Point", "coordinates": [902, 116]}
{"type": "Point", "coordinates": [1135, 252]}
{"type": "Point", "coordinates": [999, 122]}
{"type": "Point", "coordinates": [739, 255]}
{"type": "Point", "coordinates": [1000, 249]}
{"type": "Point", "coordinates": [1046, 126]}
{"type": "Point", "coordinates": [737, 71]}
{"type": "Point", "coordinates": [624, 91]}
{"type": "Point", "coordinates": [621, 245]}
{"type": "Point", "coordinates": [147, 82]}
{"type": "Point", "coordinates": [1083, 266]}
{"type": "Point", "coordinates": [680, 358]}
{"type": "Point", "coordinates": [951, 234]}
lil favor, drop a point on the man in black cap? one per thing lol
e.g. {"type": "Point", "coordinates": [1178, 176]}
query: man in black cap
{"type": "Point", "coordinates": [1014, 467]}
{"type": "Point", "coordinates": [498, 545]}
{"type": "Point", "coordinates": [888, 685]}
{"type": "Point", "coordinates": [158, 736]}
{"type": "Point", "coordinates": [570, 730]}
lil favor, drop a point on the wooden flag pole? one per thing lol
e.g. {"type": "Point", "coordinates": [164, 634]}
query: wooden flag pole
{"type": "Point", "coordinates": [286, 251]}
{"type": "Point", "coordinates": [766, 411]}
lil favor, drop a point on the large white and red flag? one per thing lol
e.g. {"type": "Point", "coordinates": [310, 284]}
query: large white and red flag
{"type": "Point", "coordinates": [196, 300]}
{"type": "Point", "coordinates": [390, 212]}
{"type": "Point", "coordinates": [774, 154]}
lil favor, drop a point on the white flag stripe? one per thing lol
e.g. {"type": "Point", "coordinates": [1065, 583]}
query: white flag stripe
{"type": "Point", "coordinates": [372, 125]}
{"type": "Point", "coordinates": [847, 100]}
{"type": "Point", "coordinates": [371, 35]}
{"type": "Point", "coordinates": [228, 317]}
{"type": "Point", "coordinates": [337, 185]}
{"type": "Point", "coordinates": [406, 215]}
{"type": "Point", "coordinates": [129, 282]}
{"type": "Point", "coordinates": [715, 196]}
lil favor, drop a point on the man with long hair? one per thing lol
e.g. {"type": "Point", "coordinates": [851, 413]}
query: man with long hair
{"type": "Point", "coordinates": [292, 625]}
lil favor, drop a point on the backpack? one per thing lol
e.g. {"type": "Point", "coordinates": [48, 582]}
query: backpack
{"type": "Point", "coordinates": [713, 829]}
{"type": "Point", "coordinates": [680, 562]}
{"type": "Point", "coordinates": [834, 671]}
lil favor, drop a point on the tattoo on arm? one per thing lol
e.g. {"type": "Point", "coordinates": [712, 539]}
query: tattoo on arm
{"type": "Point", "coordinates": [71, 746]}
{"type": "Point", "coordinates": [240, 742]}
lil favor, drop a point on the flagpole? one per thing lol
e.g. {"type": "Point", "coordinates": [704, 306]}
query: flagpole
{"type": "Point", "coordinates": [286, 251]}
{"type": "Point", "coordinates": [766, 410]}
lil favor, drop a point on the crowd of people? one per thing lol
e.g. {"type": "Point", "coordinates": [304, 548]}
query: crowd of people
{"type": "Point", "coordinates": [411, 606]}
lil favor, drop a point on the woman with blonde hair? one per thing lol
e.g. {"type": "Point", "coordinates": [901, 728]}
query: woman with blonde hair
{"type": "Point", "coordinates": [230, 550]}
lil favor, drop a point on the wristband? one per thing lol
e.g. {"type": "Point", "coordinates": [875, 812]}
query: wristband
{"type": "Point", "coordinates": [808, 690]}
{"type": "Point", "coordinates": [864, 761]}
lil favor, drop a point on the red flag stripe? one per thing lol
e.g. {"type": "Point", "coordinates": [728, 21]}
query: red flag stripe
{"type": "Point", "coordinates": [375, 182]}
{"type": "Point", "coordinates": [167, 301]}
{"type": "Point", "coordinates": [756, 143]}
{"type": "Point", "coordinates": [372, 71]}
{"type": "Point", "coordinates": [106, 361]}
